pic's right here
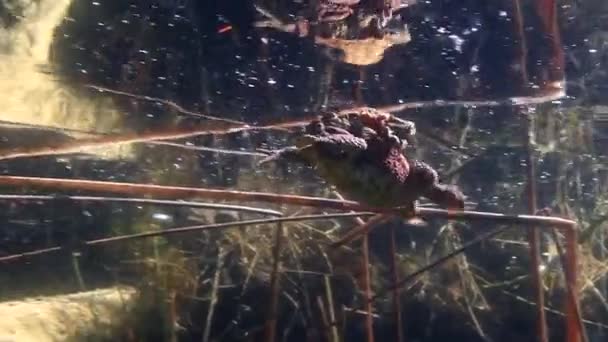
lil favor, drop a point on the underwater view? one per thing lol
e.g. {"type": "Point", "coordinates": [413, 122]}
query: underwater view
{"type": "Point", "coordinates": [304, 170]}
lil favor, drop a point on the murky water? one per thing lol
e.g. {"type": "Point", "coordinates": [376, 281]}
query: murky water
{"type": "Point", "coordinates": [113, 91]}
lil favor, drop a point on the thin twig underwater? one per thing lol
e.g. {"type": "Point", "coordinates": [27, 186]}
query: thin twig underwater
{"type": "Point", "coordinates": [217, 125]}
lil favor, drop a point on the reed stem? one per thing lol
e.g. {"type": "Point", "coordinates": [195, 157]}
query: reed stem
{"type": "Point", "coordinates": [534, 233]}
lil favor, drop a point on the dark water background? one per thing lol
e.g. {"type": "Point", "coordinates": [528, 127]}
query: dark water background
{"type": "Point", "coordinates": [459, 51]}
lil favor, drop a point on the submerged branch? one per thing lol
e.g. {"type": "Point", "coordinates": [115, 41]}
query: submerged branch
{"type": "Point", "coordinates": [179, 203]}
{"type": "Point", "coordinates": [175, 192]}
{"type": "Point", "coordinates": [81, 145]}
{"type": "Point", "coordinates": [534, 235]}
{"type": "Point", "coordinates": [227, 126]}
{"type": "Point", "coordinates": [367, 286]}
{"type": "Point", "coordinates": [179, 192]}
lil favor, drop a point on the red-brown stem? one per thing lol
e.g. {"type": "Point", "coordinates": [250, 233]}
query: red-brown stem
{"type": "Point", "coordinates": [179, 192]}
{"type": "Point", "coordinates": [369, 318]}
{"type": "Point", "coordinates": [547, 10]}
{"type": "Point", "coordinates": [174, 192]}
{"type": "Point", "coordinates": [534, 236]}
{"type": "Point", "coordinates": [399, 337]}
{"type": "Point", "coordinates": [108, 140]}
{"type": "Point", "coordinates": [180, 203]}
{"type": "Point", "coordinates": [216, 128]}
{"type": "Point", "coordinates": [271, 320]}
{"type": "Point", "coordinates": [81, 145]}
{"type": "Point", "coordinates": [571, 289]}
{"type": "Point", "coordinates": [102, 140]}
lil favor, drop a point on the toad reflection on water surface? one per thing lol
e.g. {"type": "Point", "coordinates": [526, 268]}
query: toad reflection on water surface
{"type": "Point", "coordinates": [349, 31]}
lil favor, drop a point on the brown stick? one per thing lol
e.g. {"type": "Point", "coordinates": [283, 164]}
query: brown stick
{"type": "Point", "coordinates": [571, 288]}
{"type": "Point", "coordinates": [469, 216]}
{"type": "Point", "coordinates": [574, 331]}
{"type": "Point", "coordinates": [534, 233]}
{"type": "Point", "coordinates": [369, 319]}
{"type": "Point", "coordinates": [172, 203]}
{"type": "Point", "coordinates": [82, 145]}
{"type": "Point", "coordinates": [231, 126]}
{"type": "Point", "coordinates": [570, 266]}
{"type": "Point", "coordinates": [228, 128]}
{"type": "Point", "coordinates": [573, 317]}
{"type": "Point", "coordinates": [548, 11]}
{"type": "Point", "coordinates": [177, 192]}
{"type": "Point", "coordinates": [271, 321]}
{"type": "Point", "coordinates": [216, 194]}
